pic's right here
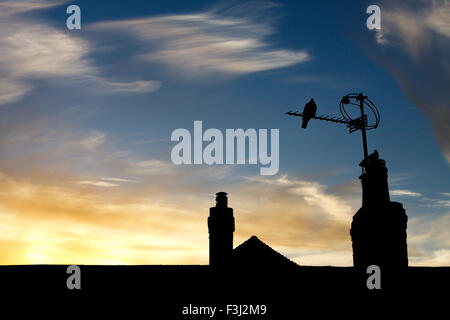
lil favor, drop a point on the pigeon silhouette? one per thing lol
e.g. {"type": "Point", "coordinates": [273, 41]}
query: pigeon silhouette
{"type": "Point", "coordinates": [308, 112]}
{"type": "Point", "coordinates": [374, 155]}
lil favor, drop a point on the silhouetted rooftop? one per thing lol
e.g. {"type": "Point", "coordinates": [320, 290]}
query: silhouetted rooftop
{"type": "Point", "coordinates": [255, 253]}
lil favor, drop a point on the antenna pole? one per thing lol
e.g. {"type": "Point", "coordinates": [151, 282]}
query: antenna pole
{"type": "Point", "coordinates": [362, 125]}
{"type": "Point", "coordinates": [353, 125]}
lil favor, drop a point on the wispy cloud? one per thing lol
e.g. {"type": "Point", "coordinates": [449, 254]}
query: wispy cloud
{"type": "Point", "coordinates": [134, 86]}
{"type": "Point", "coordinates": [415, 46]}
{"type": "Point", "coordinates": [98, 183]}
{"type": "Point", "coordinates": [152, 167]}
{"type": "Point", "coordinates": [118, 180]}
{"type": "Point", "coordinates": [105, 182]}
{"type": "Point", "coordinates": [10, 7]}
{"type": "Point", "coordinates": [149, 141]}
{"type": "Point", "coordinates": [11, 90]}
{"type": "Point", "coordinates": [443, 203]}
{"type": "Point", "coordinates": [93, 140]}
{"type": "Point", "coordinates": [407, 193]}
{"type": "Point", "coordinates": [32, 49]}
{"type": "Point", "coordinates": [411, 25]}
{"type": "Point", "coordinates": [313, 193]}
{"type": "Point", "coordinates": [439, 203]}
{"type": "Point", "coordinates": [43, 143]}
{"type": "Point", "coordinates": [208, 42]}
{"type": "Point", "coordinates": [429, 240]}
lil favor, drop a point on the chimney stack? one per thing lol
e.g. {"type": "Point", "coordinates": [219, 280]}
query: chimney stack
{"type": "Point", "coordinates": [379, 228]}
{"type": "Point", "coordinates": [221, 228]}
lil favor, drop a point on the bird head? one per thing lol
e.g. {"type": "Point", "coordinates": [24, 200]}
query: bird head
{"type": "Point", "coordinates": [345, 100]}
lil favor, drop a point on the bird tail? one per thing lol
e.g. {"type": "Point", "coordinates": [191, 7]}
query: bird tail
{"type": "Point", "coordinates": [304, 123]}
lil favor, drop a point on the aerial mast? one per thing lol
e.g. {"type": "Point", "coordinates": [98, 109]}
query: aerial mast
{"type": "Point", "coordinates": [353, 124]}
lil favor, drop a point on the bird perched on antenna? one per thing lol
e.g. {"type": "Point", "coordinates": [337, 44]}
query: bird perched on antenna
{"type": "Point", "coordinates": [308, 112]}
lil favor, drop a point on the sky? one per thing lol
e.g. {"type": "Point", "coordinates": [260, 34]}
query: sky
{"type": "Point", "coordinates": [86, 118]}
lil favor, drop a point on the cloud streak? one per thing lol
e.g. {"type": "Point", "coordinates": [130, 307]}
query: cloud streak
{"type": "Point", "coordinates": [208, 42]}
{"type": "Point", "coordinates": [11, 7]}
{"type": "Point", "coordinates": [33, 50]}
{"type": "Point", "coordinates": [429, 240]}
{"type": "Point", "coordinates": [407, 193]}
{"type": "Point", "coordinates": [414, 47]}
{"type": "Point", "coordinates": [98, 183]}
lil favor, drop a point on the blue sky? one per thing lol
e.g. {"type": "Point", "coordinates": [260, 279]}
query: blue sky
{"type": "Point", "coordinates": [88, 114]}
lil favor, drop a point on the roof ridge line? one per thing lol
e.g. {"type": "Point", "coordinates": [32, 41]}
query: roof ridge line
{"type": "Point", "coordinates": [253, 238]}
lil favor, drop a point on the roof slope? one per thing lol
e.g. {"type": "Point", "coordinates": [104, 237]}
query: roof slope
{"type": "Point", "coordinates": [255, 253]}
